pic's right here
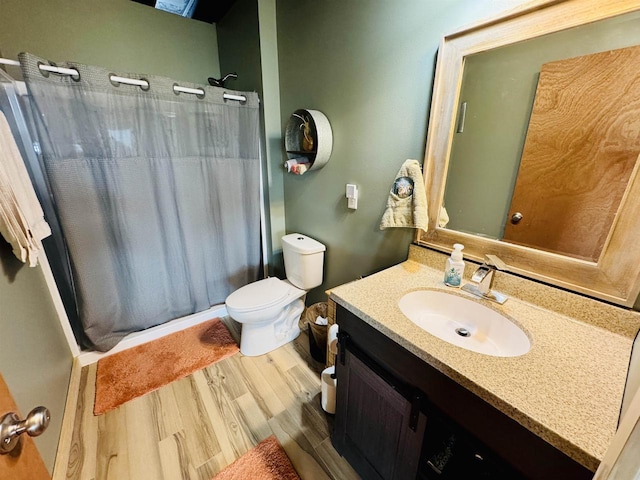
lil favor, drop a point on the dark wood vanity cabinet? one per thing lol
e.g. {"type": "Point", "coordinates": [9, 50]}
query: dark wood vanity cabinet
{"type": "Point", "coordinates": [399, 418]}
{"type": "Point", "coordinates": [375, 428]}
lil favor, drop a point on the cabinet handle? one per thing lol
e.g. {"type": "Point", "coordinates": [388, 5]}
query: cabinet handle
{"type": "Point", "coordinates": [343, 338]}
{"type": "Point", "coordinates": [416, 402]}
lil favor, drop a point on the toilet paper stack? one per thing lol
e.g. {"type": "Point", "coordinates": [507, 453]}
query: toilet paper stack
{"type": "Point", "coordinates": [328, 380]}
{"type": "Point", "coordinates": [328, 390]}
{"type": "Point", "coordinates": [332, 339]}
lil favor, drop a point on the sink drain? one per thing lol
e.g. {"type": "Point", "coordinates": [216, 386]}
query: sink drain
{"type": "Point", "coordinates": [463, 332]}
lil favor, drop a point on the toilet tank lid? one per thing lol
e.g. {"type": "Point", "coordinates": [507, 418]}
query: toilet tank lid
{"type": "Point", "coordinates": [302, 244]}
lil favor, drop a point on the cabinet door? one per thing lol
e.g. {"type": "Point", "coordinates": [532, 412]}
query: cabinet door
{"type": "Point", "coordinates": [372, 428]}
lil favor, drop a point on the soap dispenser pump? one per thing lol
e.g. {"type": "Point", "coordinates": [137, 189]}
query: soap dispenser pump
{"type": "Point", "coordinates": [454, 268]}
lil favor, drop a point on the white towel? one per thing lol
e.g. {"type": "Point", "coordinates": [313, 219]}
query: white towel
{"type": "Point", "coordinates": [22, 222]}
{"type": "Point", "coordinates": [443, 219]}
{"type": "Point", "coordinates": [407, 202]}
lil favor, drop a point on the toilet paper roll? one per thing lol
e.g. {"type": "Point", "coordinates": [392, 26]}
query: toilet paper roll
{"type": "Point", "coordinates": [332, 338]}
{"type": "Point", "coordinates": [328, 390]}
{"type": "Point", "coordinates": [289, 164]}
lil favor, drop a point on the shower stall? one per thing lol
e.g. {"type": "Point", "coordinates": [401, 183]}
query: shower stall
{"type": "Point", "coordinates": [152, 188]}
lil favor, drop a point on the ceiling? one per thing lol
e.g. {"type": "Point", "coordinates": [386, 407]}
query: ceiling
{"type": "Point", "coordinates": [210, 11]}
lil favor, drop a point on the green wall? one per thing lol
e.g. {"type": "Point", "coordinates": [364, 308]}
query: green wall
{"type": "Point", "coordinates": [247, 41]}
{"type": "Point", "coordinates": [35, 360]}
{"type": "Point", "coordinates": [238, 36]}
{"type": "Point", "coordinates": [368, 66]}
{"type": "Point", "coordinates": [119, 34]}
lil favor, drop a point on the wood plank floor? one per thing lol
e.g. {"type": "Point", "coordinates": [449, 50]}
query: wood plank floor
{"type": "Point", "coordinates": [194, 427]}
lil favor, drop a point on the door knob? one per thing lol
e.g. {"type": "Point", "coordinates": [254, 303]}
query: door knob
{"type": "Point", "coordinates": [11, 427]}
{"type": "Point", "coordinates": [516, 217]}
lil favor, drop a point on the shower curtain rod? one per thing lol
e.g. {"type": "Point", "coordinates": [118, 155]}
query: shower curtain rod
{"type": "Point", "coordinates": [128, 81]}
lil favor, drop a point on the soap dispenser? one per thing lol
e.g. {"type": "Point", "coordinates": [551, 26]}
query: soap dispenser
{"type": "Point", "coordinates": [454, 268]}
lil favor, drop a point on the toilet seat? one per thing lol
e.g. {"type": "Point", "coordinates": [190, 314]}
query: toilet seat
{"type": "Point", "coordinates": [259, 295]}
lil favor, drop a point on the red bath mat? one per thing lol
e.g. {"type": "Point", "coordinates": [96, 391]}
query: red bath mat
{"type": "Point", "coordinates": [265, 461]}
{"type": "Point", "coordinates": [139, 370]}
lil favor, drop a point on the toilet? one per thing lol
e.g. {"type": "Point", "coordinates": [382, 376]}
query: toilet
{"type": "Point", "coordinates": [269, 309]}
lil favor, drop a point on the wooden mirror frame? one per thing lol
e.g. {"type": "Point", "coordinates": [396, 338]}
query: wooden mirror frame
{"type": "Point", "coordinates": [615, 277]}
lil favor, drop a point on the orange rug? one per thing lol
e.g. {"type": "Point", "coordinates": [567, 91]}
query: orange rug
{"type": "Point", "coordinates": [139, 370]}
{"type": "Point", "coordinates": [266, 461]}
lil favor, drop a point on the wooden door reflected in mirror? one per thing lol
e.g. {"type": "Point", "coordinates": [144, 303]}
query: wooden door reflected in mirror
{"type": "Point", "coordinates": [580, 151]}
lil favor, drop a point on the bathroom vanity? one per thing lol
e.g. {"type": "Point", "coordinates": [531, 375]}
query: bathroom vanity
{"type": "Point", "coordinates": [414, 403]}
{"type": "Point", "coordinates": [410, 405]}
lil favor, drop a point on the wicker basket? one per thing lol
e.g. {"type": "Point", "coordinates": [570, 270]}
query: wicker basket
{"type": "Point", "coordinates": [317, 333]}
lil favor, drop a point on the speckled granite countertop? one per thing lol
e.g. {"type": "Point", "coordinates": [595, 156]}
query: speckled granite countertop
{"type": "Point", "coordinates": [567, 389]}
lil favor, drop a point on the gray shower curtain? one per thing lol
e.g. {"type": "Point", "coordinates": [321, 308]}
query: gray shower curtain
{"type": "Point", "coordinates": [157, 193]}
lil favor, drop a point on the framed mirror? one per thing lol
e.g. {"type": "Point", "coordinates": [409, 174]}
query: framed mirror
{"type": "Point", "coordinates": [533, 145]}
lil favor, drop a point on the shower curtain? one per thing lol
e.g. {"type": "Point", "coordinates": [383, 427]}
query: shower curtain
{"type": "Point", "coordinates": [157, 194]}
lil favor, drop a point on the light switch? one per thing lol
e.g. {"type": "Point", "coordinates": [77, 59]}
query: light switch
{"type": "Point", "coordinates": [352, 196]}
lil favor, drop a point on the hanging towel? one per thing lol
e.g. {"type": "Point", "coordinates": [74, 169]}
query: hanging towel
{"type": "Point", "coordinates": [407, 203]}
{"type": "Point", "coordinates": [22, 222]}
{"type": "Point", "coordinates": [443, 219]}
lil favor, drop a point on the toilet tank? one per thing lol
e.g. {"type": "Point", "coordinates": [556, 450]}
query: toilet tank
{"type": "Point", "coordinates": [303, 260]}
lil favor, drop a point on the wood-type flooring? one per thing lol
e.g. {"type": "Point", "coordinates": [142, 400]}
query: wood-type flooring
{"type": "Point", "coordinates": [194, 427]}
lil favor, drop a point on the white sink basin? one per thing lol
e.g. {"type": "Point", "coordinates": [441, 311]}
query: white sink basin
{"type": "Point", "coordinates": [464, 323]}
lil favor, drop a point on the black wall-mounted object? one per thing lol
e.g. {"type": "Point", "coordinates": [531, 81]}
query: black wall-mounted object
{"type": "Point", "coordinates": [220, 82]}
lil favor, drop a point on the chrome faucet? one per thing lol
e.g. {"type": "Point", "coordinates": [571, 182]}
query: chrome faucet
{"type": "Point", "coordinates": [481, 283]}
{"type": "Point", "coordinates": [483, 276]}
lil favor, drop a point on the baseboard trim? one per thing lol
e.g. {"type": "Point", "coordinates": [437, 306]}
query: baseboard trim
{"type": "Point", "coordinates": [68, 423]}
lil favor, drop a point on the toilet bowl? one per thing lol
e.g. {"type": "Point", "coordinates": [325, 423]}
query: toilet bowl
{"type": "Point", "coordinates": [269, 309]}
